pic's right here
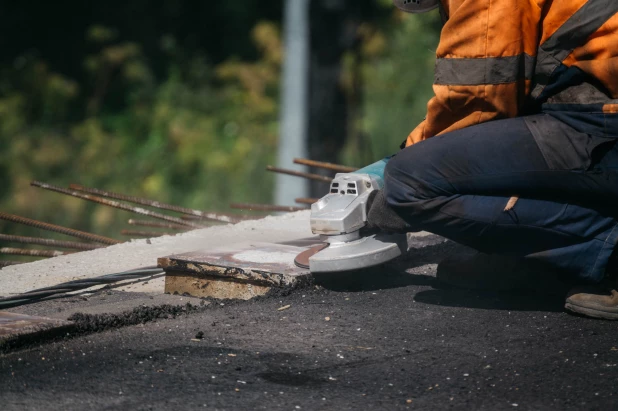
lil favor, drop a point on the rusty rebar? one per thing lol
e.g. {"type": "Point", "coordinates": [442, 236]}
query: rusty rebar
{"type": "Point", "coordinates": [328, 166]}
{"type": "Point", "coordinates": [58, 229]}
{"type": "Point", "coordinates": [156, 204]}
{"type": "Point", "coordinates": [190, 217]}
{"type": "Point", "coordinates": [156, 224]}
{"type": "Point", "coordinates": [32, 253]}
{"type": "Point", "coordinates": [6, 263]}
{"type": "Point", "coordinates": [266, 207]}
{"type": "Point", "coordinates": [148, 234]}
{"type": "Point", "coordinates": [48, 242]}
{"type": "Point", "coordinates": [114, 204]}
{"type": "Point", "coordinates": [316, 177]}
{"type": "Point", "coordinates": [238, 217]}
{"type": "Point", "coordinates": [307, 200]}
{"type": "Point", "coordinates": [202, 220]}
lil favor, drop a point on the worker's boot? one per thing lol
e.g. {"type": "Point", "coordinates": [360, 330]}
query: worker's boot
{"type": "Point", "coordinates": [471, 269]}
{"type": "Point", "coordinates": [600, 301]}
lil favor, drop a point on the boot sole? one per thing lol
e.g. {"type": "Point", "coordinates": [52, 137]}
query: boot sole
{"type": "Point", "coordinates": [590, 312]}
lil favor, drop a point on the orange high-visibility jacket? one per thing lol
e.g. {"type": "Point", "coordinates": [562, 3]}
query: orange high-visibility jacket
{"type": "Point", "coordinates": [498, 58]}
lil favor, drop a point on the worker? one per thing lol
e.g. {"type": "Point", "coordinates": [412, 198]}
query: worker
{"type": "Point", "coordinates": [517, 155]}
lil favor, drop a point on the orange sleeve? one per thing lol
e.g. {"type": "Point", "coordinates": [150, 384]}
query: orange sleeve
{"type": "Point", "coordinates": [484, 64]}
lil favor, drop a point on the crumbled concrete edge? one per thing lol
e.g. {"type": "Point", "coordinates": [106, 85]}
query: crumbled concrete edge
{"type": "Point", "coordinates": [15, 326]}
{"type": "Point", "coordinates": [249, 275]}
{"type": "Point", "coordinates": [286, 289]}
{"type": "Point", "coordinates": [92, 323]}
{"type": "Point", "coordinates": [82, 324]}
{"type": "Point", "coordinates": [35, 337]}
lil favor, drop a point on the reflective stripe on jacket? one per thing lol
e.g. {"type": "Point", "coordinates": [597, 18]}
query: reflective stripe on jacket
{"type": "Point", "coordinates": [500, 58]}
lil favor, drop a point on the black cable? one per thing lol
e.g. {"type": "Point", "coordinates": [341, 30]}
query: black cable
{"type": "Point", "coordinates": [76, 285]}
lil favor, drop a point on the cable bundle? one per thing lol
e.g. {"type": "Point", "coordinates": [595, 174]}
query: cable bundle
{"type": "Point", "coordinates": [76, 285]}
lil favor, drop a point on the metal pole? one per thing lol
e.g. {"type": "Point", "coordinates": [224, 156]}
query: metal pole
{"type": "Point", "coordinates": [294, 99]}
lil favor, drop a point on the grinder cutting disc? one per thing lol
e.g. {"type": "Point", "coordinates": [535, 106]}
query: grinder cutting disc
{"type": "Point", "coordinates": [302, 259]}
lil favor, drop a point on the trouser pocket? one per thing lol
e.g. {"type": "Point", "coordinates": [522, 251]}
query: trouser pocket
{"type": "Point", "coordinates": [565, 148]}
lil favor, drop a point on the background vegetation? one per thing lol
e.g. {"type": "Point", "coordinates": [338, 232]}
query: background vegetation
{"type": "Point", "coordinates": [179, 101]}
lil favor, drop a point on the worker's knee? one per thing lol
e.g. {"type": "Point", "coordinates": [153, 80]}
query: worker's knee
{"type": "Point", "coordinates": [408, 176]}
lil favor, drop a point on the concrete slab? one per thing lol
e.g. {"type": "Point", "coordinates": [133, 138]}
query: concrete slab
{"type": "Point", "coordinates": [141, 253]}
{"type": "Point", "coordinates": [256, 262]}
{"type": "Point", "coordinates": [240, 271]}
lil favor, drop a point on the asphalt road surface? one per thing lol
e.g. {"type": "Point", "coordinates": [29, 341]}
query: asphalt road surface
{"type": "Point", "coordinates": [374, 340]}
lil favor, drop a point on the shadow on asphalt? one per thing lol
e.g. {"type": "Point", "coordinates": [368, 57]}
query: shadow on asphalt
{"type": "Point", "coordinates": [392, 275]}
{"type": "Point", "coordinates": [487, 300]}
{"type": "Point", "coordinates": [443, 295]}
{"type": "Point", "coordinates": [371, 280]}
{"type": "Point", "coordinates": [396, 275]}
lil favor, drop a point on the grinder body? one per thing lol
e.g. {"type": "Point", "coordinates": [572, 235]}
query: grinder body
{"type": "Point", "coordinates": [338, 218]}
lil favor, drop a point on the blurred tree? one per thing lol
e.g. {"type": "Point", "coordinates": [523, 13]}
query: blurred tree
{"type": "Point", "coordinates": [396, 67]}
{"type": "Point", "coordinates": [334, 31]}
{"type": "Point", "coordinates": [55, 29]}
{"type": "Point", "coordinates": [178, 100]}
{"type": "Point", "coordinates": [199, 138]}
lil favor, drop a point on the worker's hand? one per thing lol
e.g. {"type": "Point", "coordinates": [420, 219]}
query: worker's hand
{"type": "Point", "coordinates": [382, 218]}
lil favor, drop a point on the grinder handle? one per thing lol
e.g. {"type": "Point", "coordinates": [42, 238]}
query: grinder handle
{"type": "Point", "coordinates": [375, 169]}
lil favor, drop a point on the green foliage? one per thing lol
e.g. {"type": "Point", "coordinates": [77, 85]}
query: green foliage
{"type": "Point", "coordinates": [197, 139]}
{"type": "Point", "coordinates": [197, 134]}
{"type": "Point", "coordinates": [397, 73]}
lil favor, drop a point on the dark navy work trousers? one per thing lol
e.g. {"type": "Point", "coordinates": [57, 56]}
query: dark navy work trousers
{"type": "Point", "coordinates": [458, 184]}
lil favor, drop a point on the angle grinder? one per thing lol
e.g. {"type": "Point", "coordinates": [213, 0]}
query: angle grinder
{"type": "Point", "coordinates": [338, 218]}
